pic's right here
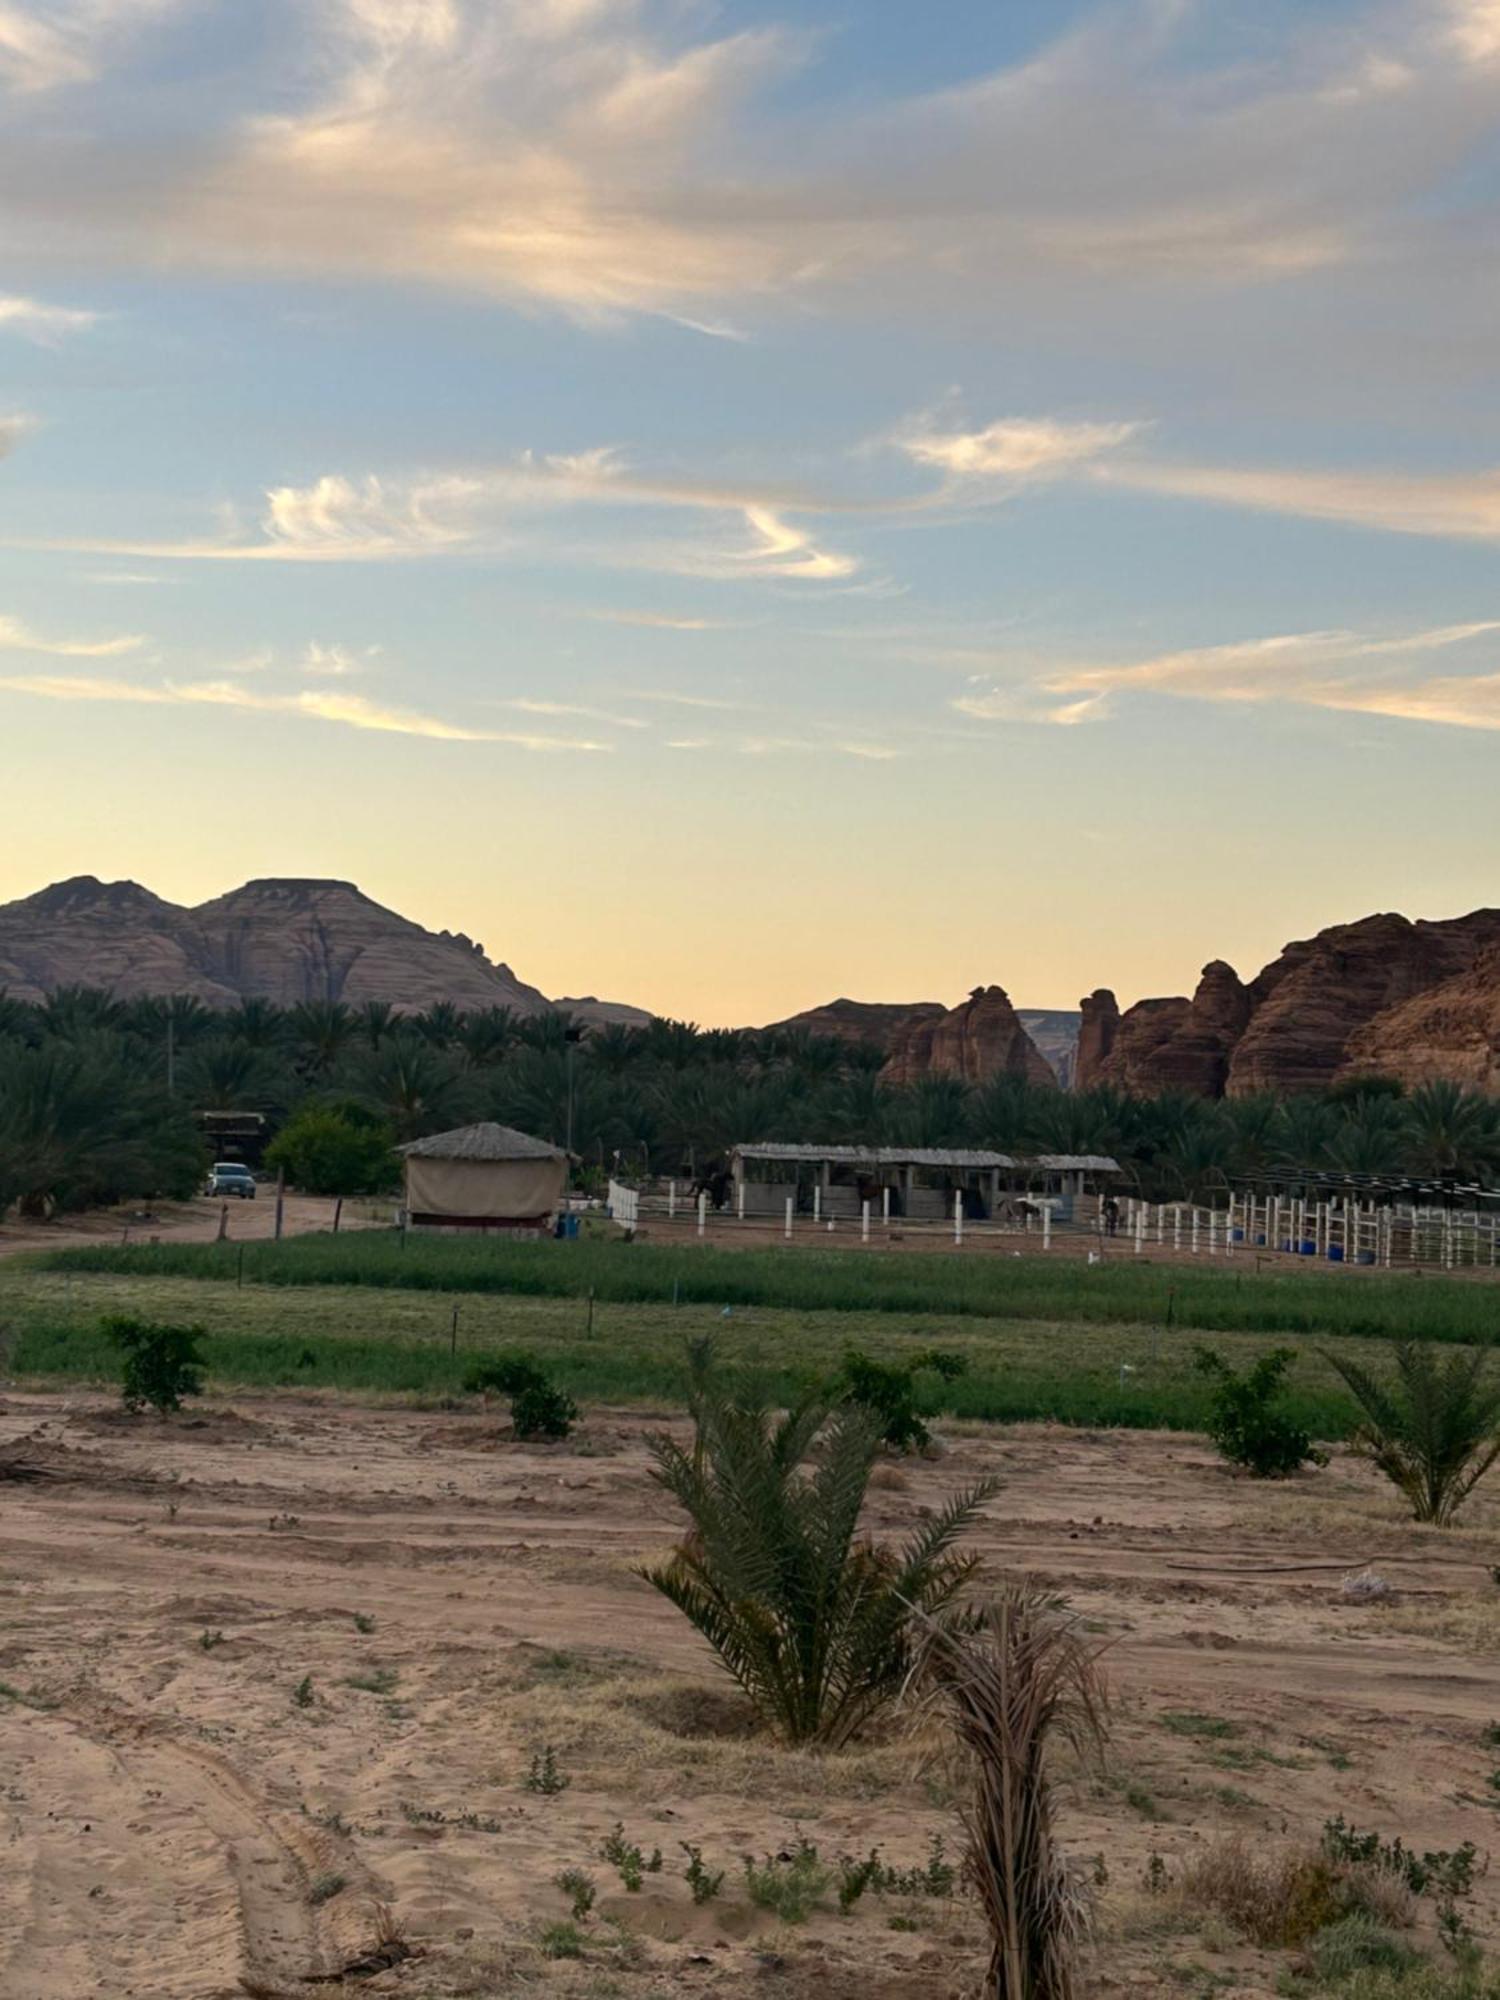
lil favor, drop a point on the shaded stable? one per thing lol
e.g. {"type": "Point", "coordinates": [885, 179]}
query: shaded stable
{"type": "Point", "coordinates": [483, 1177]}
{"type": "Point", "coordinates": [919, 1183]}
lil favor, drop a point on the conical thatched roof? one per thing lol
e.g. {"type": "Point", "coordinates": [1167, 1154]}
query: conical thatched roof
{"type": "Point", "coordinates": [486, 1141]}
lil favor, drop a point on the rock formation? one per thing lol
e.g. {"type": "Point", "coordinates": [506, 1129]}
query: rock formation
{"type": "Point", "coordinates": [1054, 1034]}
{"type": "Point", "coordinates": [1410, 1000]}
{"type": "Point", "coordinates": [1099, 1024]}
{"type": "Point", "coordinates": [981, 1039]}
{"type": "Point", "coordinates": [284, 940]}
{"type": "Point", "coordinates": [869, 1024]}
{"type": "Point", "coordinates": [1450, 1033]}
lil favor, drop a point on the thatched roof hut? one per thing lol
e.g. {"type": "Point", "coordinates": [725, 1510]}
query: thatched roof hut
{"type": "Point", "coordinates": [484, 1176]}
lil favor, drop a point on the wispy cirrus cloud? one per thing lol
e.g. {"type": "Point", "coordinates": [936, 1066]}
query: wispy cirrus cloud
{"type": "Point", "coordinates": [316, 705]}
{"type": "Point", "coordinates": [16, 637]}
{"type": "Point", "coordinates": [45, 44]}
{"type": "Point", "coordinates": [1013, 449]}
{"type": "Point", "coordinates": [1397, 675]}
{"type": "Point", "coordinates": [40, 321]}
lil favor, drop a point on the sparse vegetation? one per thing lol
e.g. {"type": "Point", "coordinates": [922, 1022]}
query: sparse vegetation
{"type": "Point", "coordinates": [162, 1363]}
{"type": "Point", "coordinates": [630, 1862]}
{"type": "Point", "coordinates": [813, 1623]}
{"type": "Point", "coordinates": [208, 1639]}
{"type": "Point", "coordinates": [792, 1883]}
{"type": "Point", "coordinates": [381, 1680]}
{"type": "Point", "coordinates": [889, 1390]}
{"type": "Point", "coordinates": [323, 1888]}
{"type": "Point", "coordinates": [1245, 1421]}
{"type": "Point", "coordinates": [704, 1882]}
{"type": "Point", "coordinates": [302, 1693]}
{"type": "Point", "coordinates": [561, 1940]}
{"type": "Point", "coordinates": [1435, 1431]}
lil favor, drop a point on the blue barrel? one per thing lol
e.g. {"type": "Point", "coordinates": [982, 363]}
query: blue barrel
{"type": "Point", "coordinates": [1335, 1253]}
{"type": "Point", "coordinates": [1307, 1248]}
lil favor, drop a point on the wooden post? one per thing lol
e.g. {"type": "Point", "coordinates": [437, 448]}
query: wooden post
{"type": "Point", "coordinates": [280, 1196]}
{"type": "Point", "coordinates": [338, 1210]}
{"type": "Point", "coordinates": [223, 1220]}
{"type": "Point", "coordinates": [239, 1270]}
{"type": "Point", "coordinates": [453, 1333]}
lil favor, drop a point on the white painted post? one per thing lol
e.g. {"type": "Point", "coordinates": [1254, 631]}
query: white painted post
{"type": "Point", "coordinates": [958, 1217]}
{"type": "Point", "coordinates": [1195, 1229]}
{"type": "Point", "coordinates": [1213, 1232]}
{"type": "Point", "coordinates": [702, 1213]}
{"type": "Point", "coordinates": [1161, 1222]}
{"type": "Point", "coordinates": [740, 1201]}
{"type": "Point", "coordinates": [1177, 1225]}
{"type": "Point", "coordinates": [864, 1222]}
{"type": "Point", "coordinates": [1140, 1226]}
{"type": "Point", "coordinates": [1047, 1227]}
{"type": "Point", "coordinates": [671, 1201]}
{"type": "Point", "coordinates": [789, 1200]}
{"type": "Point", "coordinates": [817, 1203]}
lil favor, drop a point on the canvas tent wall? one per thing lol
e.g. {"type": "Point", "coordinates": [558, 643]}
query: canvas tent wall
{"type": "Point", "coordinates": [483, 1177]}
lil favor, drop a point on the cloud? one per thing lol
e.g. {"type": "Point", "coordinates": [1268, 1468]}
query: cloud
{"type": "Point", "coordinates": [1015, 448]}
{"type": "Point", "coordinates": [674, 700]}
{"type": "Point", "coordinates": [42, 322]}
{"type": "Point", "coordinates": [44, 46]}
{"type": "Point", "coordinates": [1464, 506]}
{"type": "Point", "coordinates": [1364, 673]}
{"type": "Point", "coordinates": [660, 621]}
{"type": "Point", "coordinates": [332, 662]}
{"type": "Point", "coordinates": [18, 638]}
{"type": "Point", "coordinates": [351, 711]}
{"type": "Point", "coordinates": [527, 706]}
{"type": "Point", "coordinates": [12, 429]}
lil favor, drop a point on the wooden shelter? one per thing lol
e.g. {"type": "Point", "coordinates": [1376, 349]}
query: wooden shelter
{"type": "Point", "coordinates": [483, 1177]}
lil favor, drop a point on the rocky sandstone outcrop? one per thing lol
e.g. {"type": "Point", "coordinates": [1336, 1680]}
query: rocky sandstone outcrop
{"type": "Point", "coordinates": [869, 1024]}
{"type": "Point", "coordinates": [1449, 1034]}
{"type": "Point", "coordinates": [1415, 1001]}
{"type": "Point", "coordinates": [285, 940]}
{"type": "Point", "coordinates": [980, 1039]}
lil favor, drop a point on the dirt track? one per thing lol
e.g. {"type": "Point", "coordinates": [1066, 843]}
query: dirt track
{"type": "Point", "coordinates": [168, 1806]}
{"type": "Point", "coordinates": [181, 1222]}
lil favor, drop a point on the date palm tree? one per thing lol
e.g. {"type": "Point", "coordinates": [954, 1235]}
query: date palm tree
{"type": "Point", "coordinates": [1435, 1431]}
{"type": "Point", "coordinates": [812, 1620]}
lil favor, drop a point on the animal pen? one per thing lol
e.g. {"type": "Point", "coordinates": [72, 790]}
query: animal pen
{"type": "Point", "coordinates": [860, 1194]}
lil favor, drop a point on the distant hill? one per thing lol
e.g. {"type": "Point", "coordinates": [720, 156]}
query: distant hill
{"type": "Point", "coordinates": [281, 939]}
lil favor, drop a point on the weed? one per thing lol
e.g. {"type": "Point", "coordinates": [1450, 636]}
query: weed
{"type": "Point", "coordinates": [903, 1922]}
{"type": "Point", "coordinates": [792, 1883]}
{"type": "Point", "coordinates": [1443, 1873]}
{"type": "Point", "coordinates": [363, 1622]}
{"type": "Point", "coordinates": [705, 1883]}
{"type": "Point", "coordinates": [545, 1776]}
{"type": "Point", "coordinates": [382, 1680]}
{"type": "Point", "coordinates": [857, 1876]}
{"type": "Point", "coordinates": [561, 1940]}
{"type": "Point", "coordinates": [208, 1639]}
{"type": "Point", "coordinates": [1154, 1877]}
{"type": "Point", "coordinates": [538, 1408]}
{"type": "Point", "coordinates": [1356, 1944]}
{"type": "Point", "coordinates": [323, 1888]}
{"type": "Point", "coordinates": [1142, 1801]}
{"type": "Point", "coordinates": [580, 1888]}
{"type": "Point", "coordinates": [302, 1693]}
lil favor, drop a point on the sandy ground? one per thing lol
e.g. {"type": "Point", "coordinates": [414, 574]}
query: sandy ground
{"type": "Point", "coordinates": [189, 1222]}
{"type": "Point", "coordinates": [214, 1779]}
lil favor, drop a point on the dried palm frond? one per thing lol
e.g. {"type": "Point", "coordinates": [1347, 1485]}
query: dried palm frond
{"type": "Point", "coordinates": [1019, 1679]}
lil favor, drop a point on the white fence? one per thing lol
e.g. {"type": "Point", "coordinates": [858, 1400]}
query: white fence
{"type": "Point", "coordinates": [624, 1205]}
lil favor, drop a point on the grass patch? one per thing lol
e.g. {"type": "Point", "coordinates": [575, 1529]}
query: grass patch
{"type": "Point", "coordinates": [1190, 1722]}
{"type": "Point", "coordinates": [398, 1343]}
{"type": "Point", "coordinates": [1125, 1291]}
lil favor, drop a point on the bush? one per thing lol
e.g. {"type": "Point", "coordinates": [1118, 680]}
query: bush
{"type": "Point", "coordinates": [1357, 1944]}
{"type": "Point", "coordinates": [1290, 1896]}
{"type": "Point", "coordinates": [1436, 1432]}
{"type": "Point", "coordinates": [538, 1408]}
{"type": "Point", "coordinates": [335, 1149]}
{"type": "Point", "coordinates": [1244, 1422]}
{"type": "Point", "coordinates": [162, 1363]}
{"type": "Point", "coordinates": [814, 1625]}
{"type": "Point", "coordinates": [888, 1389]}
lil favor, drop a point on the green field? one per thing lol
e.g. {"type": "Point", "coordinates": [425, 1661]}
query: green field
{"type": "Point", "coordinates": [395, 1341]}
{"type": "Point", "coordinates": [1222, 1297]}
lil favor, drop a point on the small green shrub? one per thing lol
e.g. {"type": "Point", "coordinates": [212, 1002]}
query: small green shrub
{"type": "Point", "coordinates": [302, 1693]}
{"type": "Point", "coordinates": [545, 1776]}
{"type": "Point", "coordinates": [792, 1883]}
{"type": "Point", "coordinates": [1243, 1419]}
{"type": "Point", "coordinates": [580, 1888]}
{"type": "Point", "coordinates": [323, 1888]}
{"type": "Point", "coordinates": [561, 1940]}
{"type": "Point", "coordinates": [162, 1362]}
{"type": "Point", "coordinates": [208, 1639]}
{"type": "Point", "coordinates": [363, 1622]}
{"type": "Point", "coordinates": [627, 1858]}
{"type": "Point", "coordinates": [1446, 1872]}
{"type": "Point", "coordinates": [1357, 1944]}
{"type": "Point", "coordinates": [705, 1883]}
{"type": "Point", "coordinates": [538, 1408]}
{"type": "Point", "coordinates": [888, 1389]}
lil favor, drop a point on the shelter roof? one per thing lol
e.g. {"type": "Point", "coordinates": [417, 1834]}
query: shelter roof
{"type": "Point", "coordinates": [485, 1141]}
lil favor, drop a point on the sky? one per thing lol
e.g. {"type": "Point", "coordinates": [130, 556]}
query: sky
{"type": "Point", "coordinates": [738, 504]}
